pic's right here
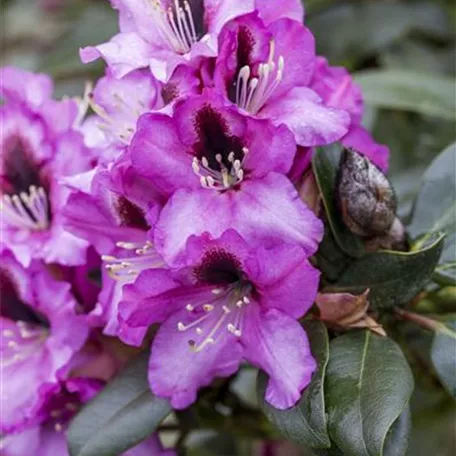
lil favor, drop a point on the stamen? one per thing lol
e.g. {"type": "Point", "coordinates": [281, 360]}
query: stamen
{"type": "Point", "coordinates": [252, 93]}
{"type": "Point", "coordinates": [176, 25]}
{"type": "Point", "coordinates": [141, 257]}
{"type": "Point", "coordinates": [27, 210]}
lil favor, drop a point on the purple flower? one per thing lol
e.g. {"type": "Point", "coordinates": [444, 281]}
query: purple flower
{"type": "Point", "coordinates": [114, 209]}
{"type": "Point", "coordinates": [47, 437]}
{"type": "Point", "coordinates": [117, 104]}
{"type": "Point", "coordinates": [337, 89]}
{"type": "Point", "coordinates": [229, 301]}
{"type": "Point", "coordinates": [39, 145]}
{"type": "Point", "coordinates": [162, 34]}
{"type": "Point", "coordinates": [40, 332]}
{"type": "Point", "coordinates": [224, 170]}
{"type": "Point", "coordinates": [266, 71]}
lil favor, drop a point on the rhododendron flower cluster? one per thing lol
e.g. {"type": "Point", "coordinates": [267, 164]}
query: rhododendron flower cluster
{"type": "Point", "coordinates": [180, 185]}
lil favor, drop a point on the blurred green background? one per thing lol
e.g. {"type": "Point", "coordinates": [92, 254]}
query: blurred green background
{"type": "Point", "coordinates": [401, 52]}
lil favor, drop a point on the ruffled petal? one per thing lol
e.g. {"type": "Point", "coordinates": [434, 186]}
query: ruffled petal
{"type": "Point", "coordinates": [303, 112]}
{"type": "Point", "coordinates": [176, 372]}
{"type": "Point", "coordinates": [263, 211]}
{"type": "Point", "coordinates": [286, 280]}
{"type": "Point", "coordinates": [17, 85]}
{"type": "Point", "coordinates": [219, 12]}
{"type": "Point", "coordinates": [158, 154]}
{"type": "Point", "coordinates": [278, 344]}
{"type": "Point", "coordinates": [270, 11]}
{"type": "Point", "coordinates": [125, 52]}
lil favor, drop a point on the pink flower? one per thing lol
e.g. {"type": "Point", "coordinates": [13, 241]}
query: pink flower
{"type": "Point", "coordinates": [229, 301]}
{"type": "Point", "coordinates": [39, 145]}
{"type": "Point", "coordinates": [266, 71]}
{"type": "Point", "coordinates": [162, 34]}
{"type": "Point", "coordinates": [221, 169]}
{"type": "Point", "coordinates": [40, 332]}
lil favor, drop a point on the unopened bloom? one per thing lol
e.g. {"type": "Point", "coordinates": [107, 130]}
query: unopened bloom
{"type": "Point", "coordinates": [39, 145]}
{"type": "Point", "coordinates": [229, 301]}
{"type": "Point", "coordinates": [222, 169]}
{"type": "Point", "coordinates": [48, 436]}
{"type": "Point", "coordinates": [162, 34]}
{"type": "Point", "coordinates": [40, 332]}
{"type": "Point", "coordinates": [266, 71]}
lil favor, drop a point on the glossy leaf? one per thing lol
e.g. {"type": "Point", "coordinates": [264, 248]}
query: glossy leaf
{"type": "Point", "coordinates": [325, 166]}
{"type": "Point", "coordinates": [367, 387]}
{"type": "Point", "coordinates": [120, 417]}
{"type": "Point", "coordinates": [435, 210]}
{"type": "Point", "coordinates": [443, 355]}
{"type": "Point", "coordinates": [392, 277]}
{"type": "Point", "coordinates": [305, 423]}
{"type": "Point", "coordinates": [428, 94]}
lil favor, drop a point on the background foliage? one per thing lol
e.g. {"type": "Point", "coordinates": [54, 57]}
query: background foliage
{"type": "Point", "coordinates": [403, 55]}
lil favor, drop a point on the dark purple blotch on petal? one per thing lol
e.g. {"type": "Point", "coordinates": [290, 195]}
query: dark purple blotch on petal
{"type": "Point", "coordinates": [130, 214]}
{"type": "Point", "coordinates": [13, 307]}
{"type": "Point", "coordinates": [215, 139]}
{"type": "Point", "coordinates": [218, 267]}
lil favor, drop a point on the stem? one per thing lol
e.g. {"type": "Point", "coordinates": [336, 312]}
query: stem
{"type": "Point", "coordinates": [420, 320]}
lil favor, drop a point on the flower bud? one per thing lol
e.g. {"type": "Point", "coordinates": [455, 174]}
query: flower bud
{"type": "Point", "coordinates": [365, 198]}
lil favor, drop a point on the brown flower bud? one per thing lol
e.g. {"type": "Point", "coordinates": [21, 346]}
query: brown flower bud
{"type": "Point", "coordinates": [309, 193]}
{"type": "Point", "coordinates": [365, 198]}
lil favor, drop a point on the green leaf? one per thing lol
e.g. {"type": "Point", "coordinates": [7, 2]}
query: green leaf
{"type": "Point", "coordinates": [435, 210]}
{"type": "Point", "coordinates": [443, 355]}
{"type": "Point", "coordinates": [397, 439]}
{"type": "Point", "coordinates": [367, 387]}
{"type": "Point", "coordinates": [393, 278]}
{"type": "Point", "coordinates": [120, 417]}
{"type": "Point", "coordinates": [365, 28]}
{"type": "Point", "coordinates": [325, 165]}
{"type": "Point", "coordinates": [429, 94]}
{"type": "Point", "coordinates": [306, 422]}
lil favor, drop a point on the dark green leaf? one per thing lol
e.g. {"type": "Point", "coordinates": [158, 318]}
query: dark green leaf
{"type": "Point", "coordinates": [428, 94]}
{"type": "Point", "coordinates": [120, 417]}
{"type": "Point", "coordinates": [306, 422]}
{"type": "Point", "coordinates": [393, 278]}
{"type": "Point", "coordinates": [325, 166]}
{"type": "Point", "coordinates": [363, 29]}
{"type": "Point", "coordinates": [367, 387]}
{"type": "Point", "coordinates": [443, 355]}
{"type": "Point", "coordinates": [397, 439]}
{"type": "Point", "coordinates": [435, 210]}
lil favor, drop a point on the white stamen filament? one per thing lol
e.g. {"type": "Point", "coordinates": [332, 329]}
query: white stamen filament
{"type": "Point", "coordinates": [253, 93]}
{"type": "Point", "coordinates": [225, 177]}
{"type": "Point", "coordinates": [142, 256]}
{"type": "Point", "coordinates": [228, 307]}
{"type": "Point", "coordinates": [119, 125]}
{"type": "Point", "coordinates": [27, 210]}
{"type": "Point", "coordinates": [176, 25]}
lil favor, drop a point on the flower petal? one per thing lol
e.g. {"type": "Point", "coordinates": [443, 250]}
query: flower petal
{"type": "Point", "coordinates": [269, 11]}
{"type": "Point", "coordinates": [278, 344]}
{"type": "Point", "coordinates": [123, 53]}
{"type": "Point", "coordinates": [303, 112]}
{"type": "Point", "coordinates": [262, 211]}
{"type": "Point", "coordinates": [157, 154]}
{"type": "Point", "coordinates": [286, 280]}
{"type": "Point", "coordinates": [176, 372]}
